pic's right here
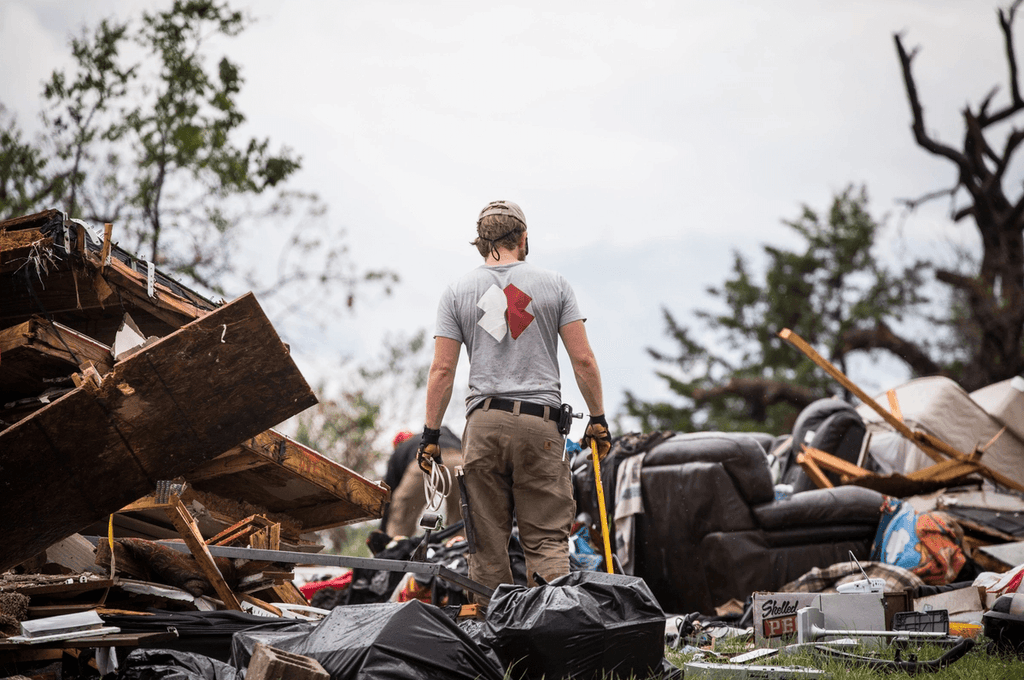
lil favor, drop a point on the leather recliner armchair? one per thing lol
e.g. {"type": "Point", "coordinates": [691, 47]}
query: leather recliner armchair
{"type": "Point", "coordinates": [711, 529]}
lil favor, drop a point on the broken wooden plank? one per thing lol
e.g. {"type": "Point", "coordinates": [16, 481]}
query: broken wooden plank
{"type": "Point", "coordinates": [40, 354]}
{"type": "Point", "coordinates": [280, 475]}
{"type": "Point", "coordinates": [946, 471]}
{"type": "Point", "coordinates": [108, 231]}
{"type": "Point", "coordinates": [167, 306]}
{"type": "Point", "coordinates": [288, 593]}
{"type": "Point", "coordinates": [185, 399]}
{"type": "Point", "coordinates": [243, 532]}
{"type": "Point", "coordinates": [256, 602]}
{"type": "Point", "coordinates": [935, 448]}
{"type": "Point", "coordinates": [836, 464]}
{"type": "Point", "coordinates": [189, 531]}
{"type": "Point", "coordinates": [812, 470]}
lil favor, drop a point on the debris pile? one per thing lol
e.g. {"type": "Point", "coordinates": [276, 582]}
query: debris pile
{"type": "Point", "coordinates": [135, 426]}
{"type": "Point", "coordinates": [153, 519]}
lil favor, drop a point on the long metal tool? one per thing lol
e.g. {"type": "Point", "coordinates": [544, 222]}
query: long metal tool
{"type": "Point", "coordinates": [460, 476]}
{"type": "Point", "coordinates": [292, 557]}
{"type": "Point", "coordinates": [601, 509]}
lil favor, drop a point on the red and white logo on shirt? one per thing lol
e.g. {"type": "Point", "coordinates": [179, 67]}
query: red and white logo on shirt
{"type": "Point", "coordinates": [504, 312]}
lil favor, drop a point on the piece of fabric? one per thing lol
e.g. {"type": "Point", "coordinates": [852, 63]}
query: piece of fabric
{"type": "Point", "coordinates": [928, 544]}
{"type": "Point", "coordinates": [827, 579]}
{"type": "Point", "coordinates": [508, 317]}
{"type": "Point", "coordinates": [629, 503]}
{"type": "Point", "coordinates": [582, 555]}
{"type": "Point", "coordinates": [1001, 584]}
{"type": "Point", "coordinates": [514, 463]}
{"type": "Point", "coordinates": [338, 583]}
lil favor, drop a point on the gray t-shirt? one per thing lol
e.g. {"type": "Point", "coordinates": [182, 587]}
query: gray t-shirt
{"type": "Point", "coordinates": [508, 318]}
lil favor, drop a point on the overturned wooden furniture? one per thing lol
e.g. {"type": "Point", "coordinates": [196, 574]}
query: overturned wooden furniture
{"type": "Point", "coordinates": [186, 399]}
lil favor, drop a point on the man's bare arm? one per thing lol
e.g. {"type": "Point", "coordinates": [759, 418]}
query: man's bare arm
{"type": "Point", "coordinates": [441, 379]}
{"type": "Point", "coordinates": [584, 365]}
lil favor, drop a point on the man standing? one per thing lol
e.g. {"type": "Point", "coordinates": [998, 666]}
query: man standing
{"type": "Point", "coordinates": [509, 314]}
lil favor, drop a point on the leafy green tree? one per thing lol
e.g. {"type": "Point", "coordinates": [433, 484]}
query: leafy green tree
{"type": "Point", "coordinates": [23, 180]}
{"type": "Point", "coordinates": [736, 374]}
{"type": "Point", "coordinates": [153, 145]}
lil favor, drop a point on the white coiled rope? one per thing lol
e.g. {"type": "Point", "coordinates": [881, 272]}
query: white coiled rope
{"type": "Point", "coordinates": [436, 486]}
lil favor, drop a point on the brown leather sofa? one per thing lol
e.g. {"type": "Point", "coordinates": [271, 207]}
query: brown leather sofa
{"type": "Point", "coordinates": [712, 530]}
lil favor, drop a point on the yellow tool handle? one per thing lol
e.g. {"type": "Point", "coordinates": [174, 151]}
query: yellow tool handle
{"type": "Point", "coordinates": [600, 505]}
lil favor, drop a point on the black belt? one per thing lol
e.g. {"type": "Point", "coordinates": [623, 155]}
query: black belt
{"type": "Point", "coordinates": [530, 409]}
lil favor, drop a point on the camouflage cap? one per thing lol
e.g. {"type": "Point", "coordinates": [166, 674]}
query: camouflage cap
{"type": "Point", "coordinates": [502, 208]}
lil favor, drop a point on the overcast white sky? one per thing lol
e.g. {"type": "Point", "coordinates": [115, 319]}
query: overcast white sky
{"type": "Point", "coordinates": [644, 141]}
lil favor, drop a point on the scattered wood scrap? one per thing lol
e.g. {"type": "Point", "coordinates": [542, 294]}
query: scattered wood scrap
{"type": "Point", "coordinates": [954, 461]}
{"type": "Point", "coordinates": [938, 476]}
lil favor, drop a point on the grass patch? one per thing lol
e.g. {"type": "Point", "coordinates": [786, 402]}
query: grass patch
{"type": "Point", "coordinates": [977, 664]}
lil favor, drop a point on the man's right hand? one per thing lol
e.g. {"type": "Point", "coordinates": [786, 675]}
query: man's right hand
{"type": "Point", "coordinates": [597, 430]}
{"type": "Point", "coordinates": [429, 451]}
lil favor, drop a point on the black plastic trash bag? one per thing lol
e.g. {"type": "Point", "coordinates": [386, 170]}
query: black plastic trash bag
{"type": "Point", "coordinates": [169, 664]}
{"type": "Point", "coordinates": [205, 633]}
{"type": "Point", "coordinates": [388, 640]}
{"type": "Point", "coordinates": [583, 625]}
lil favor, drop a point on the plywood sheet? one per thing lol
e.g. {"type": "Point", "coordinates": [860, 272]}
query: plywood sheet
{"type": "Point", "coordinates": [186, 399]}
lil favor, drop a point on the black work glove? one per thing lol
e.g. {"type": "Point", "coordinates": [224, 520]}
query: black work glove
{"type": "Point", "coordinates": [429, 452]}
{"type": "Point", "coordinates": [597, 430]}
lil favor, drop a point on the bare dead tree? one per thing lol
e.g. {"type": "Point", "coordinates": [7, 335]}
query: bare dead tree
{"type": "Point", "coordinates": [994, 296]}
{"type": "Point", "coordinates": [881, 336]}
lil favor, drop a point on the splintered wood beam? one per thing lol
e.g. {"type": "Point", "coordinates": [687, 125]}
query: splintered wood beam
{"type": "Point", "coordinates": [256, 602]}
{"type": "Point", "coordinates": [801, 344]}
{"type": "Point", "coordinates": [894, 405]}
{"type": "Point", "coordinates": [812, 470]}
{"type": "Point", "coordinates": [289, 593]}
{"type": "Point", "coordinates": [189, 531]}
{"type": "Point", "coordinates": [932, 446]}
{"type": "Point", "coordinates": [108, 230]}
{"type": "Point", "coordinates": [166, 306]}
{"type": "Point", "coordinates": [834, 463]}
{"type": "Point", "coordinates": [179, 402]}
{"type": "Point", "coordinates": [947, 470]}
{"type": "Point", "coordinates": [326, 474]}
{"type": "Point", "coordinates": [267, 538]}
{"type": "Point", "coordinates": [38, 355]}
{"type": "Point", "coordinates": [246, 528]}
